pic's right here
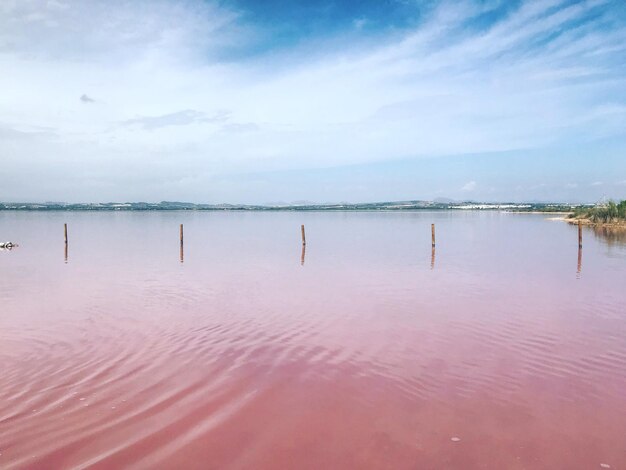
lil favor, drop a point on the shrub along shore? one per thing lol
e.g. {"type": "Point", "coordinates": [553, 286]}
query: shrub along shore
{"type": "Point", "coordinates": [611, 213]}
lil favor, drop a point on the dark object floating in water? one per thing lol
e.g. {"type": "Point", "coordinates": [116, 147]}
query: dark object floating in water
{"type": "Point", "coordinates": [7, 245]}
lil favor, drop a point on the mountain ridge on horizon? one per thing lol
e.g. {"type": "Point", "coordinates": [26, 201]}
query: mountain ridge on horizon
{"type": "Point", "coordinates": [436, 204]}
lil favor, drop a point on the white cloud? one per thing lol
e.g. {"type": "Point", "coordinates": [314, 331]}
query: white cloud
{"type": "Point", "coordinates": [469, 186]}
{"type": "Point", "coordinates": [360, 23]}
{"type": "Point", "coordinates": [179, 118]}
{"type": "Point", "coordinates": [439, 89]}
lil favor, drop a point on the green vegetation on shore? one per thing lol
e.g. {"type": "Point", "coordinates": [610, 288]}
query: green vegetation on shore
{"type": "Point", "coordinates": [345, 206]}
{"type": "Point", "coordinates": [608, 213]}
{"type": "Point", "coordinates": [579, 210]}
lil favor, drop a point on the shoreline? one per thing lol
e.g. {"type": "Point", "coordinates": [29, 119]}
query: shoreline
{"type": "Point", "coordinates": [620, 224]}
{"type": "Point", "coordinates": [540, 212]}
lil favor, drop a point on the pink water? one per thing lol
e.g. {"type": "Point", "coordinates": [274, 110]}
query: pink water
{"type": "Point", "coordinates": [502, 349]}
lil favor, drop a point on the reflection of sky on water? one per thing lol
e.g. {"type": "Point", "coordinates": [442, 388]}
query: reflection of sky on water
{"type": "Point", "coordinates": [365, 331]}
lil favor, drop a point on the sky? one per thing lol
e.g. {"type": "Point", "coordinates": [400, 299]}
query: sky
{"type": "Point", "coordinates": [258, 101]}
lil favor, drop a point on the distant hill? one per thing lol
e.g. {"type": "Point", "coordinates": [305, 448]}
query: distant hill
{"type": "Point", "coordinates": [439, 204]}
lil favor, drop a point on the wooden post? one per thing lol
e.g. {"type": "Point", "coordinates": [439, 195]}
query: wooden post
{"type": "Point", "coordinates": [432, 258]}
{"type": "Point", "coordinates": [303, 254]}
{"type": "Point", "coordinates": [182, 252]}
{"type": "Point", "coordinates": [303, 236]}
{"type": "Point", "coordinates": [65, 232]}
{"type": "Point", "coordinates": [432, 231]}
{"type": "Point", "coordinates": [580, 235]}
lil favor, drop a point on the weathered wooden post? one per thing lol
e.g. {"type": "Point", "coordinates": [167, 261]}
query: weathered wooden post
{"type": "Point", "coordinates": [432, 232]}
{"type": "Point", "coordinates": [65, 232]}
{"type": "Point", "coordinates": [182, 250]}
{"type": "Point", "coordinates": [432, 258]}
{"type": "Point", "coordinates": [580, 235]}
{"type": "Point", "coordinates": [303, 254]}
{"type": "Point", "coordinates": [303, 236]}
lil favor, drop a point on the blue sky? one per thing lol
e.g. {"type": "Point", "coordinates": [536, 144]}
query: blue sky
{"type": "Point", "coordinates": [258, 101]}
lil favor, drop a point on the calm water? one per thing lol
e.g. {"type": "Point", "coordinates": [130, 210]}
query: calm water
{"type": "Point", "coordinates": [503, 349]}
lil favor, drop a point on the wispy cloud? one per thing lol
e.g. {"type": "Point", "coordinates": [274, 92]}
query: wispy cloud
{"type": "Point", "coordinates": [465, 77]}
{"type": "Point", "coordinates": [469, 186]}
{"type": "Point", "coordinates": [179, 118]}
{"type": "Point", "coordinates": [241, 127]}
{"type": "Point", "coordinates": [29, 134]}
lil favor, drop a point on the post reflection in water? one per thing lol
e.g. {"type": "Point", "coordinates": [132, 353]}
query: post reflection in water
{"type": "Point", "coordinates": [66, 251]}
{"type": "Point", "coordinates": [580, 262]}
{"type": "Point", "coordinates": [182, 253]}
{"type": "Point", "coordinates": [302, 255]}
{"type": "Point", "coordinates": [432, 258]}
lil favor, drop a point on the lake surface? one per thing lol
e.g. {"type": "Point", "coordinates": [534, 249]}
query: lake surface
{"type": "Point", "coordinates": [506, 348]}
